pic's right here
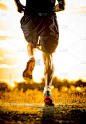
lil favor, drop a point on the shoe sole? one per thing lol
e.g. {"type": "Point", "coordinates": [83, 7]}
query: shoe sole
{"type": "Point", "coordinates": [47, 103]}
{"type": "Point", "coordinates": [28, 70]}
{"type": "Point", "coordinates": [28, 80]}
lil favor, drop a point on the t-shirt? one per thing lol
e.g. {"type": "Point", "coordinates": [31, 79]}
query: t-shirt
{"type": "Point", "coordinates": [40, 6]}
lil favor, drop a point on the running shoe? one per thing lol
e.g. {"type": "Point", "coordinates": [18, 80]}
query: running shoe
{"type": "Point", "coordinates": [48, 99]}
{"type": "Point", "coordinates": [27, 73]}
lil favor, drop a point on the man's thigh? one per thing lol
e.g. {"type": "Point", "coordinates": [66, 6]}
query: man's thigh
{"type": "Point", "coordinates": [50, 35]}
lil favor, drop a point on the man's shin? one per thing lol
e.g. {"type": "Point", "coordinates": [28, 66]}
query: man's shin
{"type": "Point", "coordinates": [48, 77]}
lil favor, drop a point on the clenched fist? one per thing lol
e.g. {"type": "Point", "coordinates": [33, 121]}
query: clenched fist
{"type": "Point", "coordinates": [20, 8]}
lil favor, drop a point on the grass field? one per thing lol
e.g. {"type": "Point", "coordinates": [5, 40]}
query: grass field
{"type": "Point", "coordinates": [27, 107]}
{"type": "Point", "coordinates": [35, 96]}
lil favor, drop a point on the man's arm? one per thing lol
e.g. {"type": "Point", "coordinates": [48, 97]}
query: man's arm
{"type": "Point", "coordinates": [20, 7]}
{"type": "Point", "coordinates": [60, 6]}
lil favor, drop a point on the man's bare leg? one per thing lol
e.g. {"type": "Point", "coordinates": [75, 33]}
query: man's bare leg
{"type": "Point", "coordinates": [48, 72]}
{"type": "Point", "coordinates": [27, 73]}
{"type": "Point", "coordinates": [30, 50]}
{"type": "Point", "coordinates": [49, 68]}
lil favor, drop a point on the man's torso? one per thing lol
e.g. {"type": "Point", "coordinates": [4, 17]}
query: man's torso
{"type": "Point", "coordinates": [40, 6]}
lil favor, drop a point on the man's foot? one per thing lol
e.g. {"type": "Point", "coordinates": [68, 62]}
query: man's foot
{"type": "Point", "coordinates": [27, 73]}
{"type": "Point", "coordinates": [48, 99]}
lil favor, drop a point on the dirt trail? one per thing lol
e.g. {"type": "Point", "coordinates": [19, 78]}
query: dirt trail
{"type": "Point", "coordinates": [24, 113]}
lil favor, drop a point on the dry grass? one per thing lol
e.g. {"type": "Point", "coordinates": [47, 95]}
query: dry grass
{"type": "Point", "coordinates": [34, 96]}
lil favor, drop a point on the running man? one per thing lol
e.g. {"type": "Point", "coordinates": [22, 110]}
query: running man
{"type": "Point", "coordinates": [39, 23]}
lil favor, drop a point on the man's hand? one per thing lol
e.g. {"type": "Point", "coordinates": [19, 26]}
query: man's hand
{"type": "Point", "coordinates": [20, 8]}
{"type": "Point", "coordinates": [57, 7]}
{"type": "Point", "coordinates": [60, 6]}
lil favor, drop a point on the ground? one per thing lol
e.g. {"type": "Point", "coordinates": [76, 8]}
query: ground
{"type": "Point", "coordinates": [37, 113]}
{"type": "Point", "coordinates": [27, 107]}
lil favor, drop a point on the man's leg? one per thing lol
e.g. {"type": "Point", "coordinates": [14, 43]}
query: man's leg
{"type": "Point", "coordinates": [27, 74]}
{"type": "Point", "coordinates": [48, 72]}
{"type": "Point", "coordinates": [30, 50]}
{"type": "Point", "coordinates": [49, 68]}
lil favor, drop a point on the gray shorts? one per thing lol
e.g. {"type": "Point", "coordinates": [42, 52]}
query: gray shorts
{"type": "Point", "coordinates": [46, 27]}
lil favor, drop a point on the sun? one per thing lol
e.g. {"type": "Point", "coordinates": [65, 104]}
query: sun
{"type": "Point", "coordinates": [13, 85]}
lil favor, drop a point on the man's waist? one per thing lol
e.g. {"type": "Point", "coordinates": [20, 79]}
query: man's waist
{"type": "Point", "coordinates": [40, 13]}
{"type": "Point", "coordinates": [43, 14]}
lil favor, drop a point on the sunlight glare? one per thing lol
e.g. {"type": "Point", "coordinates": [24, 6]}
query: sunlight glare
{"type": "Point", "coordinates": [13, 85]}
{"type": "Point", "coordinates": [78, 88]}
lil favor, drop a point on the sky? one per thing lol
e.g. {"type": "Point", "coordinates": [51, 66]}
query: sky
{"type": "Point", "coordinates": [69, 58]}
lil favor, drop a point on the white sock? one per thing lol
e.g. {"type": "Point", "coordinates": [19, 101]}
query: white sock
{"type": "Point", "coordinates": [31, 57]}
{"type": "Point", "coordinates": [47, 88]}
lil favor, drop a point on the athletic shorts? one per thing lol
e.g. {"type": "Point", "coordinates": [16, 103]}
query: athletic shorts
{"type": "Point", "coordinates": [41, 28]}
